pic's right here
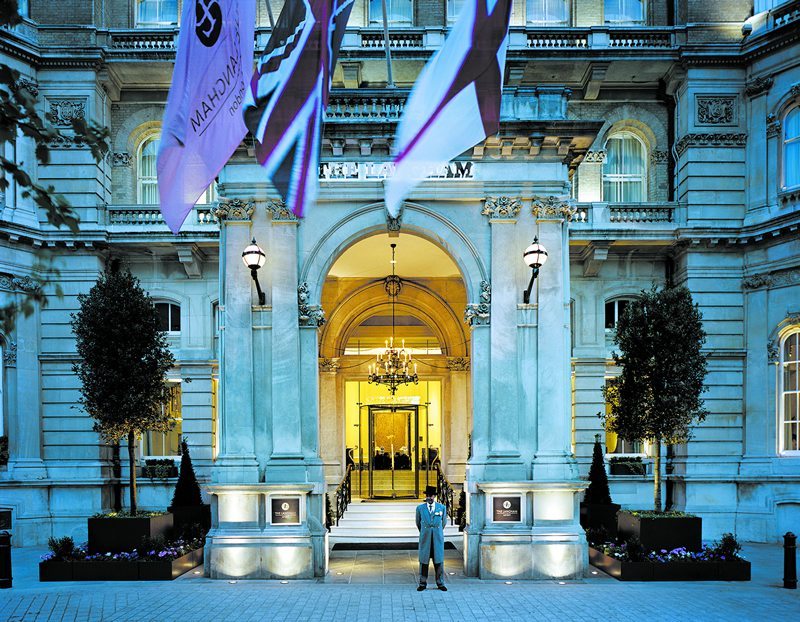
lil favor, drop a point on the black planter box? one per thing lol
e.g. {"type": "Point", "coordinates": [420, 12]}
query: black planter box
{"type": "Point", "coordinates": [624, 571]}
{"type": "Point", "coordinates": [627, 468]}
{"type": "Point", "coordinates": [168, 570]}
{"type": "Point", "coordinates": [104, 571]}
{"type": "Point", "coordinates": [670, 571]}
{"type": "Point", "coordinates": [596, 515]}
{"type": "Point", "coordinates": [686, 571]}
{"type": "Point", "coordinates": [657, 534]}
{"type": "Point", "coordinates": [188, 515]}
{"type": "Point", "coordinates": [734, 571]}
{"type": "Point", "coordinates": [55, 571]}
{"type": "Point", "coordinates": [116, 535]}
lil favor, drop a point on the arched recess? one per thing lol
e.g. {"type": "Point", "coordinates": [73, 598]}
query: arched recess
{"type": "Point", "coordinates": [371, 219]}
{"type": "Point", "coordinates": [415, 300]}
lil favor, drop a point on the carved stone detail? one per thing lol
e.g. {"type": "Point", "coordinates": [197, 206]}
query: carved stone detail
{"type": "Point", "coordinates": [279, 211]}
{"type": "Point", "coordinates": [121, 159]}
{"type": "Point", "coordinates": [710, 140]}
{"type": "Point", "coordinates": [63, 111]}
{"type": "Point", "coordinates": [795, 90]}
{"type": "Point", "coordinates": [501, 207]}
{"type": "Point", "coordinates": [773, 126]}
{"type": "Point", "coordinates": [479, 314]}
{"type": "Point", "coordinates": [329, 365]}
{"type": "Point", "coordinates": [19, 283]}
{"type": "Point", "coordinates": [394, 223]}
{"type": "Point", "coordinates": [659, 157]}
{"type": "Point", "coordinates": [553, 207]}
{"type": "Point", "coordinates": [310, 315]}
{"type": "Point", "coordinates": [10, 354]}
{"type": "Point", "coordinates": [458, 363]}
{"type": "Point", "coordinates": [29, 85]}
{"type": "Point", "coordinates": [595, 156]}
{"type": "Point", "coordinates": [234, 210]}
{"type": "Point", "coordinates": [716, 110]}
{"type": "Point", "coordinates": [773, 279]}
{"type": "Point", "coordinates": [65, 142]}
{"type": "Point", "coordinates": [756, 86]}
{"type": "Point", "coordinates": [757, 281]}
{"type": "Point", "coordinates": [773, 352]}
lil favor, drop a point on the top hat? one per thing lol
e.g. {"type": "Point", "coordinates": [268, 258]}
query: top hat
{"type": "Point", "coordinates": [430, 491]}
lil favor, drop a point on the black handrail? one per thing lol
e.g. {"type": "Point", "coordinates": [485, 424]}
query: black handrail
{"type": "Point", "coordinates": [344, 494]}
{"type": "Point", "coordinates": [444, 491]}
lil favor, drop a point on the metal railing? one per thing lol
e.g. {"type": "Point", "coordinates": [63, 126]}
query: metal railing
{"type": "Point", "coordinates": [445, 494]}
{"type": "Point", "coordinates": [343, 495]}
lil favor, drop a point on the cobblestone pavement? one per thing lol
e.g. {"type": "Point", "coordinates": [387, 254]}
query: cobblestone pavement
{"type": "Point", "coordinates": [380, 586]}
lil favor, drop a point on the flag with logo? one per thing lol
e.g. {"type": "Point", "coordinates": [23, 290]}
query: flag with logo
{"type": "Point", "coordinates": [455, 103]}
{"type": "Point", "coordinates": [289, 92]}
{"type": "Point", "coordinates": [202, 124]}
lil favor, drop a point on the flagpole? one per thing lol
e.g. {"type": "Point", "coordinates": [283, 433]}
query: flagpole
{"type": "Point", "coordinates": [390, 82]}
{"type": "Point", "coordinates": [269, 15]}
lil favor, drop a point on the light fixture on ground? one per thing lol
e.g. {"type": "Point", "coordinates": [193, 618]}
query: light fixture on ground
{"type": "Point", "coordinates": [535, 256]}
{"type": "Point", "coordinates": [393, 367]}
{"type": "Point", "coordinates": [254, 258]}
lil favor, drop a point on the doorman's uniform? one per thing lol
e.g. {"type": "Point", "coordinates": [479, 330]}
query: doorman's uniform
{"type": "Point", "coordinates": [431, 522]}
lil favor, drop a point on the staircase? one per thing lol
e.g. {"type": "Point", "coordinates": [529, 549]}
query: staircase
{"type": "Point", "coordinates": [383, 522]}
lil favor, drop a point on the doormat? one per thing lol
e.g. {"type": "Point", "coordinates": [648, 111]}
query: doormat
{"type": "Point", "coordinates": [383, 546]}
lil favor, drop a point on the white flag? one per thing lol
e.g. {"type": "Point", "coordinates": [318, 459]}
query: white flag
{"type": "Point", "coordinates": [203, 122]}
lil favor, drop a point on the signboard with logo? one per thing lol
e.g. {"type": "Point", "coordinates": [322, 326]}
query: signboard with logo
{"type": "Point", "coordinates": [507, 509]}
{"type": "Point", "coordinates": [285, 511]}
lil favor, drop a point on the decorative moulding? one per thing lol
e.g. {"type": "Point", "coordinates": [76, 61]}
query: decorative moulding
{"type": "Point", "coordinates": [772, 279]}
{"type": "Point", "coordinates": [479, 314]}
{"type": "Point", "coordinates": [234, 210]}
{"type": "Point", "coordinates": [659, 157]}
{"type": "Point", "coordinates": [773, 126]}
{"type": "Point", "coordinates": [738, 139]}
{"type": "Point", "coordinates": [19, 283]}
{"type": "Point", "coordinates": [552, 207]}
{"type": "Point", "coordinates": [458, 363]}
{"type": "Point", "coordinates": [757, 86]}
{"type": "Point", "coordinates": [329, 365]}
{"type": "Point", "coordinates": [716, 110]}
{"type": "Point", "coordinates": [309, 315]}
{"type": "Point", "coordinates": [61, 111]}
{"type": "Point", "coordinates": [279, 211]}
{"type": "Point", "coordinates": [121, 159]}
{"type": "Point", "coordinates": [505, 208]}
{"type": "Point", "coordinates": [10, 354]}
{"type": "Point", "coordinates": [595, 156]}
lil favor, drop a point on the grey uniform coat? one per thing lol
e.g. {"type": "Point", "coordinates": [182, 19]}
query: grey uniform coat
{"type": "Point", "coordinates": [431, 529]}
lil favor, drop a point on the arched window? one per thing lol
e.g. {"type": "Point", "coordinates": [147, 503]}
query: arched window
{"type": "Point", "coordinates": [156, 13]}
{"type": "Point", "coordinates": [789, 395]}
{"type": "Point", "coordinates": [624, 12]}
{"type": "Point", "coordinates": [614, 310]}
{"type": "Point", "coordinates": [398, 12]}
{"type": "Point", "coordinates": [548, 12]}
{"type": "Point", "coordinates": [791, 148]}
{"type": "Point", "coordinates": [147, 178]}
{"type": "Point", "coordinates": [169, 317]}
{"type": "Point", "coordinates": [625, 169]}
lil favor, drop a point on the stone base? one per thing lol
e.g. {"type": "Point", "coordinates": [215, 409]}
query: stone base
{"type": "Point", "coordinates": [258, 556]}
{"type": "Point", "coordinates": [535, 556]}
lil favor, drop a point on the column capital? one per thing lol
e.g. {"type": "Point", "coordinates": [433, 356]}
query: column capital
{"type": "Point", "coordinates": [479, 313]}
{"type": "Point", "coordinates": [458, 363]}
{"type": "Point", "coordinates": [280, 213]}
{"type": "Point", "coordinates": [310, 315]}
{"type": "Point", "coordinates": [329, 365]}
{"type": "Point", "coordinates": [758, 86]}
{"type": "Point", "coordinates": [551, 207]}
{"type": "Point", "coordinates": [235, 210]}
{"type": "Point", "coordinates": [501, 208]}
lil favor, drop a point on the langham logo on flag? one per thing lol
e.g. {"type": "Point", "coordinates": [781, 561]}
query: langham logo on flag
{"type": "Point", "coordinates": [203, 124]}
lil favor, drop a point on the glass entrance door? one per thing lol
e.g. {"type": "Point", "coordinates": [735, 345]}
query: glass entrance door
{"type": "Point", "coordinates": [393, 451]}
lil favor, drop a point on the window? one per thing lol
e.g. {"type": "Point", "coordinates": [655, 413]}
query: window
{"type": "Point", "coordinates": [216, 319]}
{"type": "Point", "coordinates": [453, 10]}
{"type": "Point", "coordinates": [614, 310]}
{"type": "Point", "coordinates": [209, 195]}
{"type": "Point", "coordinates": [549, 12]}
{"type": "Point", "coordinates": [214, 416]}
{"type": "Point", "coordinates": [156, 13]}
{"type": "Point", "coordinates": [147, 178]}
{"type": "Point", "coordinates": [8, 196]}
{"type": "Point", "coordinates": [2, 388]}
{"type": "Point", "coordinates": [791, 148]}
{"type": "Point", "coordinates": [624, 12]}
{"type": "Point", "coordinates": [624, 169]}
{"type": "Point", "coordinates": [157, 444]}
{"type": "Point", "coordinates": [398, 12]}
{"type": "Point", "coordinates": [790, 393]}
{"type": "Point", "coordinates": [619, 446]}
{"type": "Point", "coordinates": [169, 317]}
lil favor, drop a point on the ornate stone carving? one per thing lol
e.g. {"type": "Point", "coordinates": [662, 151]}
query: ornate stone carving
{"type": "Point", "coordinates": [329, 365]}
{"type": "Point", "coordinates": [27, 284]}
{"type": "Point", "coordinates": [738, 139]}
{"type": "Point", "coordinates": [479, 314]}
{"type": "Point", "coordinates": [757, 281]}
{"type": "Point", "coordinates": [63, 111]}
{"type": "Point", "coordinates": [29, 85]}
{"type": "Point", "coordinates": [310, 315]}
{"type": "Point", "coordinates": [65, 142]}
{"type": "Point", "coordinates": [458, 363]}
{"type": "Point", "coordinates": [279, 211]}
{"type": "Point", "coordinates": [716, 110]}
{"type": "Point", "coordinates": [10, 354]}
{"type": "Point", "coordinates": [121, 159]}
{"type": "Point", "coordinates": [795, 90]}
{"type": "Point", "coordinates": [773, 126]}
{"type": "Point", "coordinates": [773, 352]}
{"type": "Point", "coordinates": [756, 86]}
{"type": "Point", "coordinates": [501, 207]}
{"type": "Point", "coordinates": [595, 156]}
{"type": "Point", "coordinates": [393, 285]}
{"type": "Point", "coordinates": [774, 279]}
{"type": "Point", "coordinates": [234, 209]}
{"type": "Point", "coordinates": [659, 157]}
{"type": "Point", "coordinates": [552, 207]}
{"type": "Point", "coordinates": [394, 223]}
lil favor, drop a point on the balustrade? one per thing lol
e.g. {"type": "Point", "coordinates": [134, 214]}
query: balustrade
{"type": "Point", "coordinates": [150, 215]}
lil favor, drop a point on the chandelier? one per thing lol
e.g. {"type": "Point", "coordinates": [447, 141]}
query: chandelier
{"type": "Point", "coordinates": [393, 367]}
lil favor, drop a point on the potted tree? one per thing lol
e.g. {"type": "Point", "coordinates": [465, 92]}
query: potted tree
{"type": "Point", "coordinates": [597, 510]}
{"type": "Point", "coordinates": [123, 360]}
{"type": "Point", "coordinates": [657, 398]}
{"type": "Point", "coordinates": [187, 505]}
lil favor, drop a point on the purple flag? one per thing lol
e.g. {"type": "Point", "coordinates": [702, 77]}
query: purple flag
{"type": "Point", "coordinates": [203, 124]}
{"type": "Point", "coordinates": [289, 92]}
{"type": "Point", "coordinates": [455, 103]}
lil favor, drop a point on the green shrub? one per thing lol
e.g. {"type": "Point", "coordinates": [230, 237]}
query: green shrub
{"type": "Point", "coordinates": [635, 549]}
{"type": "Point", "coordinates": [61, 548]}
{"type": "Point", "coordinates": [187, 490]}
{"type": "Point", "coordinates": [728, 546]}
{"type": "Point", "coordinates": [598, 491]}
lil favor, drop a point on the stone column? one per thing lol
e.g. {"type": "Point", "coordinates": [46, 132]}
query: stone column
{"type": "Point", "coordinates": [331, 425]}
{"type": "Point", "coordinates": [457, 423]}
{"type": "Point", "coordinates": [236, 462]}
{"type": "Point", "coordinates": [553, 460]}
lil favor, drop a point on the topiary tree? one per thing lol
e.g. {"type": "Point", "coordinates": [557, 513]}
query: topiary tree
{"type": "Point", "coordinates": [187, 490]}
{"type": "Point", "coordinates": [657, 396]}
{"type": "Point", "coordinates": [124, 358]}
{"type": "Point", "coordinates": [598, 492]}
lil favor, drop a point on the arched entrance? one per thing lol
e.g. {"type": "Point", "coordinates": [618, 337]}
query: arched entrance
{"type": "Point", "coordinates": [395, 442]}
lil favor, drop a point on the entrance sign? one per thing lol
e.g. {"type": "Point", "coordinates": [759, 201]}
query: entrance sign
{"type": "Point", "coordinates": [285, 511]}
{"type": "Point", "coordinates": [506, 509]}
{"type": "Point", "coordinates": [368, 171]}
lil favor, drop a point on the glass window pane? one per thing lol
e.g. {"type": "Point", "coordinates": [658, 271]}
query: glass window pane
{"type": "Point", "coordinates": [792, 164]}
{"type": "Point", "coordinates": [453, 9]}
{"type": "Point", "coordinates": [175, 318]}
{"type": "Point", "coordinates": [624, 11]}
{"type": "Point", "coordinates": [548, 12]}
{"type": "Point", "coordinates": [610, 319]}
{"type": "Point", "coordinates": [790, 376]}
{"type": "Point", "coordinates": [398, 12]}
{"type": "Point", "coordinates": [162, 308]}
{"type": "Point", "coordinates": [790, 348]}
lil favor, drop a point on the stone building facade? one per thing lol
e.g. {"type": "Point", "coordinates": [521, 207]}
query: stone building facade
{"type": "Point", "coordinates": [642, 142]}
